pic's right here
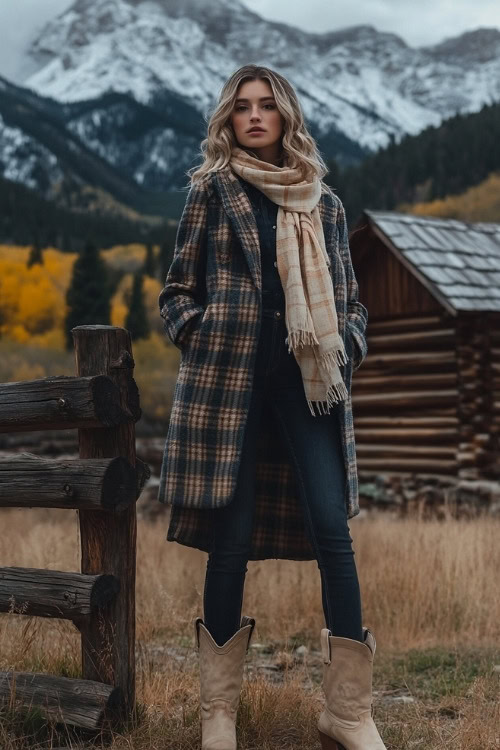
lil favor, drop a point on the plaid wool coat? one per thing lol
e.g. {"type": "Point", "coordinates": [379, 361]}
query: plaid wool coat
{"type": "Point", "coordinates": [215, 278]}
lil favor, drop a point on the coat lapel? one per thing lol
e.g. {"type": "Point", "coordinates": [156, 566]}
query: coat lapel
{"type": "Point", "coordinates": [239, 210]}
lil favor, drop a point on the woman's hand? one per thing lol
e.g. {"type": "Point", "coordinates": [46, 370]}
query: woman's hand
{"type": "Point", "coordinates": [181, 299]}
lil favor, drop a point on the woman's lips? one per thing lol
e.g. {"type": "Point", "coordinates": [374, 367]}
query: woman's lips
{"type": "Point", "coordinates": [256, 132]}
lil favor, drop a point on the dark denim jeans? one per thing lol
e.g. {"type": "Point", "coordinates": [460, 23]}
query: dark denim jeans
{"type": "Point", "coordinates": [316, 452]}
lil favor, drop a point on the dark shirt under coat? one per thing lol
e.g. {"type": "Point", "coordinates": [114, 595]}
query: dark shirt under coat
{"type": "Point", "coordinates": [266, 213]}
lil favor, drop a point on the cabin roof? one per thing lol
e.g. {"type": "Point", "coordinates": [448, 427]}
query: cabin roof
{"type": "Point", "coordinates": [459, 259]}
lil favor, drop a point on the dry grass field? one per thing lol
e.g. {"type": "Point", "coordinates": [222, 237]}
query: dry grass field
{"type": "Point", "coordinates": [430, 593]}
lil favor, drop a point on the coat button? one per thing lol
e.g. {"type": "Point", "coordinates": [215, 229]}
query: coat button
{"type": "Point", "coordinates": [276, 264]}
{"type": "Point", "coordinates": [277, 314]}
{"type": "Point", "coordinates": [274, 226]}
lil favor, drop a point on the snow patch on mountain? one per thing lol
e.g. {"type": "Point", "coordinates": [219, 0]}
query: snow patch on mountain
{"type": "Point", "coordinates": [24, 160]}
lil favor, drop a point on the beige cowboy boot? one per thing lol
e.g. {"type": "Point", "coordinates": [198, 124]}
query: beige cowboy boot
{"type": "Point", "coordinates": [346, 722]}
{"type": "Point", "coordinates": [221, 676]}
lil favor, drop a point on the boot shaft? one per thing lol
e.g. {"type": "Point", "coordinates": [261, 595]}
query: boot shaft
{"type": "Point", "coordinates": [347, 721]}
{"type": "Point", "coordinates": [347, 673]}
{"type": "Point", "coordinates": [221, 667]}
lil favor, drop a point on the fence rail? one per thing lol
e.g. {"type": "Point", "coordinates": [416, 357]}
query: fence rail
{"type": "Point", "coordinates": [103, 485]}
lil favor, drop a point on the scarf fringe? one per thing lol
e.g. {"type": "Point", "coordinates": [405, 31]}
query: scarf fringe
{"type": "Point", "coordinates": [300, 338]}
{"type": "Point", "coordinates": [335, 357]}
{"type": "Point", "coordinates": [308, 338]}
{"type": "Point", "coordinates": [335, 394]}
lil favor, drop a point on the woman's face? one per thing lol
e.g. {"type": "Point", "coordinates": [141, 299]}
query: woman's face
{"type": "Point", "coordinates": [255, 107]}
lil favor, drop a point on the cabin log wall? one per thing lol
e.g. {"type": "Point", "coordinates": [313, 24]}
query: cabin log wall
{"type": "Point", "coordinates": [405, 397]}
{"type": "Point", "coordinates": [491, 386]}
{"type": "Point", "coordinates": [426, 400]}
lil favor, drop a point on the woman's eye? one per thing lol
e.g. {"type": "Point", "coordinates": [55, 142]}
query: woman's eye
{"type": "Point", "coordinates": [241, 107]}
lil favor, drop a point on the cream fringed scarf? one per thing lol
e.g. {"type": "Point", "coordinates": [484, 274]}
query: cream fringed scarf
{"type": "Point", "coordinates": [311, 318]}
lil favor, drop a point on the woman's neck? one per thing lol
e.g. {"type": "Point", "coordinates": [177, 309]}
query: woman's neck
{"type": "Point", "coordinates": [273, 154]}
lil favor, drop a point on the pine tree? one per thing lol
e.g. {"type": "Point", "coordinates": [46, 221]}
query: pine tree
{"type": "Point", "coordinates": [88, 295]}
{"type": "Point", "coordinates": [137, 322]}
{"type": "Point", "coordinates": [36, 254]}
{"type": "Point", "coordinates": [149, 267]}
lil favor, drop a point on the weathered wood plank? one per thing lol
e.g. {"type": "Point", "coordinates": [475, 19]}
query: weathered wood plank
{"type": "Point", "coordinates": [407, 465]}
{"type": "Point", "coordinates": [412, 323]}
{"type": "Point", "coordinates": [83, 703]}
{"type": "Point", "coordinates": [412, 339]}
{"type": "Point", "coordinates": [394, 450]}
{"type": "Point", "coordinates": [28, 481]}
{"type": "Point", "coordinates": [63, 402]}
{"type": "Point", "coordinates": [386, 382]}
{"type": "Point", "coordinates": [108, 542]}
{"type": "Point", "coordinates": [406, 399]}
{"type": "Point", "coordinates": [408, 435]}
{"type": "Point", "coordinates": [54, 593]}
{"type": "Point", "coordinates": [427, 421]}
{"type": "Point", "coordinates": [381, 363]}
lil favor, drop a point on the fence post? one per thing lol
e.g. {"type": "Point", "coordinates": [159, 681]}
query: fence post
{"type": "Point", "coordinates": [108, 539]}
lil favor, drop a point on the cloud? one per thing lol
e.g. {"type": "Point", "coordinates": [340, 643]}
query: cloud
{"type": "Point", "coordinates": [20, 20]}
{"type": "Point", "coordinates": [423, 23]}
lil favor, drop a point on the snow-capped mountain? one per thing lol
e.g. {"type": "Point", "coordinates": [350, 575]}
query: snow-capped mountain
{"type": "Point", "coordinates": [358, 81]}
{"type": "Point", "coordinates": [121, 89]}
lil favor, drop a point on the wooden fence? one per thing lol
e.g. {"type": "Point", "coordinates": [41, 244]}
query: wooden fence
{"type": "Point", "coordinates": [103, 485]}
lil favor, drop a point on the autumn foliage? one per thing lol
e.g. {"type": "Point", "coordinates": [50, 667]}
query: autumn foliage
{"type": "Point", "coordinates": [33, 310]}
{"type": "Point", "coordinates": [33, 300]}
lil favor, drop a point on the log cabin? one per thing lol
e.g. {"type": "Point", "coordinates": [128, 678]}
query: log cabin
{"type": "Point", "coordinates": [426, 400]}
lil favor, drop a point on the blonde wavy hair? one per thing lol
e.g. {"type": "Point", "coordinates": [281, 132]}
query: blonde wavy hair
{"type": "Point", "coordinates": [299, 147]}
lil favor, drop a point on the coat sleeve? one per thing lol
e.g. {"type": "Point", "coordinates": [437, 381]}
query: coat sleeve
{"type": "Point", "coordinates": [357, 314]}
{"type": "Point", "coordinates": [183, 296]}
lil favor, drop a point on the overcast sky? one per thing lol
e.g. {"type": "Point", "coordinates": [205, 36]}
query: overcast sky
{"type": "Point", "coordinates": [418, 23]}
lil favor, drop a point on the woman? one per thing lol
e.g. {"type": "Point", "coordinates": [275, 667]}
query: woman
{"type": "Point", "coordinates": [259, 460]}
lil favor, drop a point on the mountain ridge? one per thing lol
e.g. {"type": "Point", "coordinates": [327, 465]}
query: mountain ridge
{"type": "Point", "coordinates": [141, 47]}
